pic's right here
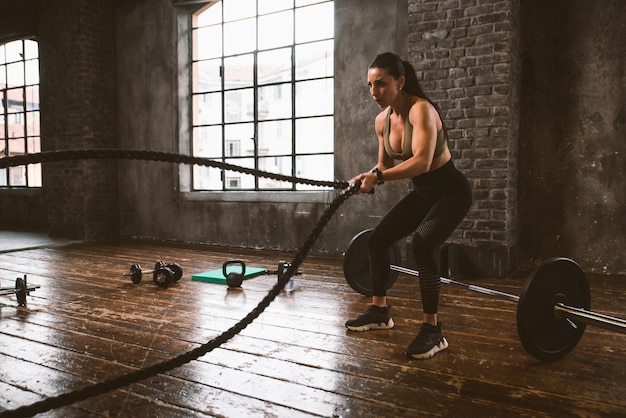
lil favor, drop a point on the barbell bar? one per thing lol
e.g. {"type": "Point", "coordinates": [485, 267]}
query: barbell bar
{"type": "Point", "coordinates": [553, 308]}
{"type": "Point", "coordinates": [589, 317]}
{"type": "Point", "coordinates": [471, 287]}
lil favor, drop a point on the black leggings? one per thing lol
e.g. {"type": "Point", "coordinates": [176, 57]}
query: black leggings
{"type": "Point", "coordinates": [433, 210]}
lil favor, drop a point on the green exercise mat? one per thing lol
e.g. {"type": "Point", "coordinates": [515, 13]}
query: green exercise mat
{"type": "Point", "coordinates": [217, 276]}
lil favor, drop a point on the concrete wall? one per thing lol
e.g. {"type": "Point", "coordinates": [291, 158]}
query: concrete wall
{"type": "Point", "coordinates": [573, 148]}
{"type": "Point", "coordinates": [532, 94]}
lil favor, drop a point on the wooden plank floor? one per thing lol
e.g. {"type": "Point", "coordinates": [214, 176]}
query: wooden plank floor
{"type": "Point", "coordinates": [87, 324]}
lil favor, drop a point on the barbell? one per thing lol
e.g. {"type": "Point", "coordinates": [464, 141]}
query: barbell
{"type": "Point", "coordinates": [552, 309]}
{"type": "Point", "coordinates": [21, 290]}
{"type": "Point", "coordinates": [163, 274]}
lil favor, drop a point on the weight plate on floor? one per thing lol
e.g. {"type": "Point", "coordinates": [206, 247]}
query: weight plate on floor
{"type": "Point", "coordinates": [135, 273]}
{"type": "Point", "coordinates": [20, 291]}
{"type": "Point", "coordinates": [162, 276]}
{"type": "Point", "coordinates": [543, 334]}
{"type": "Point", "coordinates": [177, 270]}
{"type": "Point", "coordinates": [356, 263]}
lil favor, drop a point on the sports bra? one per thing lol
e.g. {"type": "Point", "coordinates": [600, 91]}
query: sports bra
{"type": "Point", "coordinates": [406, 145]}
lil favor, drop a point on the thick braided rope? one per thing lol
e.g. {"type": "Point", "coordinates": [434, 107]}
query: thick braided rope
{"type": "Point", "coordinates": [128, 154]}
{"type": "Point", "coordinates": [158, 368]}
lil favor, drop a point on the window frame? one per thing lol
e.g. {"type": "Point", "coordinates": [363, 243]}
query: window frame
{"type": "Point", "coordinates": [27, 116]}
{"type": "Point", "coordinates": [186, 126]}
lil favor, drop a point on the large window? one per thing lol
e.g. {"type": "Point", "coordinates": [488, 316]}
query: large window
{"type": "Point", "coordinates": [262, 92]}
{"type": "Point", "coordinates": [19, 110]}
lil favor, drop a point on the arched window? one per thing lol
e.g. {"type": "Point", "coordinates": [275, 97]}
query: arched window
{"type": "Point", "coordinates": [19, 110]}
{"type": "Point", "coordinates": [262, 92]}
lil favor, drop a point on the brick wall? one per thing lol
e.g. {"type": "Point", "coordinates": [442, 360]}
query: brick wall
{"type": "Point", "coordinates": [78, 101]}
{"type": "Point", "coordinates": [466, 55]}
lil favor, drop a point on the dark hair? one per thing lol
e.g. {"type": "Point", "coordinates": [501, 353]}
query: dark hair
{"type": "Point", "coordinates": [396, 66]}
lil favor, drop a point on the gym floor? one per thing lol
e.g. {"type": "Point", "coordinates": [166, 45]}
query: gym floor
{"type": "Point", "coordinates": [88, 324]}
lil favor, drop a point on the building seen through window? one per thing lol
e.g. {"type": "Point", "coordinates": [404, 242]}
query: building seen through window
{"type": "Point", "coordinates": [262, 92]}
{"type": "Point", "coordinates": [19, 110]}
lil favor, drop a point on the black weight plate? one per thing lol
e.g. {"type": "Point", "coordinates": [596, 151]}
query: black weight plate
{"type": "Point", "coordinates": [543, 334]}
{"type": "Point", "coordinates": [177, 270]}
{"type": "Point", "coordinates": [20, 291]}
{"type": "Point", "coordinates": [135, 273]}
{"type": "Point", "coordinates": [356, 263]}
{"type": "Point", "coordinates": [162, 276]}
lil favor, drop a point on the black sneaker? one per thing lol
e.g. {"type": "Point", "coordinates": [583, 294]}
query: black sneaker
{"type": "Point", "coordinates": [375, 317]}
{"type": "Point", "coordinates": [428, 342]}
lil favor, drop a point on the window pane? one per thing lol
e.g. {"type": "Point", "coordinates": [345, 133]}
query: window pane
{"type": "Point", "coordinates": [17, 146]}
{"type": "Point", "coordinates": [316, 167]}
{"type": "Point", "coordinates": [3, 75]}
{"type": "Point", "coordinates": [315, 22]}
{"type": "Point", "coordinates": [207, 109]}
{"type": "Point", "coordinates": [207, 76]}
{"type": "Point", "coordinates": [276, 30]}
{"type": "Point", "coordinates": [14, 51]}
{"type": "Point", "coordinates": [314, 135]}
{"type": "Point", "coordinates": [275, 138]}
{"type": "Point", "coordinates": [275, 102]}
{"type": "Point", "coordinates": [276, 165]}
{"type": "Point", "coordinates": [306, 2]}
{"type": "Point", "coordinates": [15, 100]}
{"type": "Point", "coordinates": [240, 139]}
{"type": "Point", "coordinates": [32, 72]}
{"type": "Point", "coordinates": [207, 42]}
{"type": "Point", "coordinates": [2, 52]}
{"type": "Point", "coordinates": [17, 176]}
{"type": "Point", "coordinates": [34, 175]}
{"type": "Point", "coordinates": [32, 98]}
{"type": "Point", "coordinates": [207, 178]}
{"type": "Point", "coordinates": [16, 125]}
{"type": "Point", "coordinates": [239, 9]}
{"type": "Point", "coordinates": [268, 6]}
{"type": "Point", "coordinates": [207, 141]}
{"type": "Point", "coordinates": [239, 71]}
{"type": "Point", "coordinates": [314, 60]}
{"type": "Point", "coordinates": [31, 49]}
{"type": "Point", "coordinates": [314, 97]}
{"type": "Point", "coordinates": [34, 144]}
{"type": "Point", "coordinates": [274, 66]}
{"type": "Point", "coordinates": [3, 177]}
{"type": "Point", "coordinates": [15, 74]}
{"type": "Point", "coordinates": [210, 16]}
{"type": "Point", "coordinates": [239, 105]}
{"type": "Point", "coordinates": [32, 124]}
{"type": "Point", "coordinates": [240, 37]}
{"type": "Point", "coordinates": [237, 180]}
{"type": "Point", "coordinates": [2, 123]}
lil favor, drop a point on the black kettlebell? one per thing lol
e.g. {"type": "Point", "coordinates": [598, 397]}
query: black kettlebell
{"type": "Point", "coordinates": [233, 278]}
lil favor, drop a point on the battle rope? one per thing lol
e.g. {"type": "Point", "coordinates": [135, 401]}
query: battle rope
{"type": "Point", "coordinates": [127, 154]}
{"type": "Point", "coordinates": [159, 368]}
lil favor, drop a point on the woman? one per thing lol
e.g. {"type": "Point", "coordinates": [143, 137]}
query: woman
{"type": "Point", "coordinates": [410, 129]}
